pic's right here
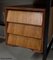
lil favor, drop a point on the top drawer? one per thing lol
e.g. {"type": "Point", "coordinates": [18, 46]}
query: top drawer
{"type": "Point", "coordinates": [34, 18]}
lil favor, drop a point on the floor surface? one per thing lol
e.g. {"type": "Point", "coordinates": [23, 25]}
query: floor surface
{"type": "Point", "coordinates": [18, 53]}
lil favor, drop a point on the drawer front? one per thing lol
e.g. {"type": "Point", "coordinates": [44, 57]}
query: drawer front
{"type": "Point", "coordinates": [25, 42]}
{"type": "Point", "coordinates": [34, 18]}
{"type": "Point", "coordinates": [15, 28]}
{"type": "Point", "coordinates": [25, 30]}
{"type": "Point", "coordinates": [33, 31]}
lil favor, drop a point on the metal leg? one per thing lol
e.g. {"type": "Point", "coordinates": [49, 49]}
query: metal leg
{"type": "Point", "coordinates": [45, 42]}
{"type": "Point", "coordinates": [46, 52]}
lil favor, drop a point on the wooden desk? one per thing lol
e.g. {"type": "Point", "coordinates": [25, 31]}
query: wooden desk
{"type": "Point", "coordinates": [25, 27]}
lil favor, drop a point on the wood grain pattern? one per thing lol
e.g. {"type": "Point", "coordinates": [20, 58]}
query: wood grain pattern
{"type": "Point", "coordinates": [11, 40]}
{"type": "Point", "coordinates": [25, 30]}
{"type": "Point", "coordinates": [34, 18]}
{"type": "Point", "coordinates": [25, 27]}
{"type": "Point", "coordinates": [15, 28]}
{"type": "Point", "coordinates": [25, 42]}
{"type": "Point", "coordinates": [33, 31]}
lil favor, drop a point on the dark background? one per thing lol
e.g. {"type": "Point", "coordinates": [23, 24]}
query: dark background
{"type": "Point", "coordinates": [36, 3]}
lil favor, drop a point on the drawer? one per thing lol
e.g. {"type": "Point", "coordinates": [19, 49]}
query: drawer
{"type": "Point", "coordinates": [11, 40]}
{"type": "Point", "coordinates": [21, 41]}
{"type": "Point", "coordinates": [34, 18]}
{"type": "Point", "coordinates": [15, 28]}
{"type": "Point", "coordinates": [33, 31]}
{"type": "Point", "coordinates": [25, 30]}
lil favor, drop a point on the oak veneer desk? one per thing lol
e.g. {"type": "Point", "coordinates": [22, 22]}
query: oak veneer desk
{"type": "Point", "coordinates": [25, 27]}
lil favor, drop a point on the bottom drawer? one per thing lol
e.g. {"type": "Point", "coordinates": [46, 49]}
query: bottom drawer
{"type": "Point", "coordinates": [26, 42]}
